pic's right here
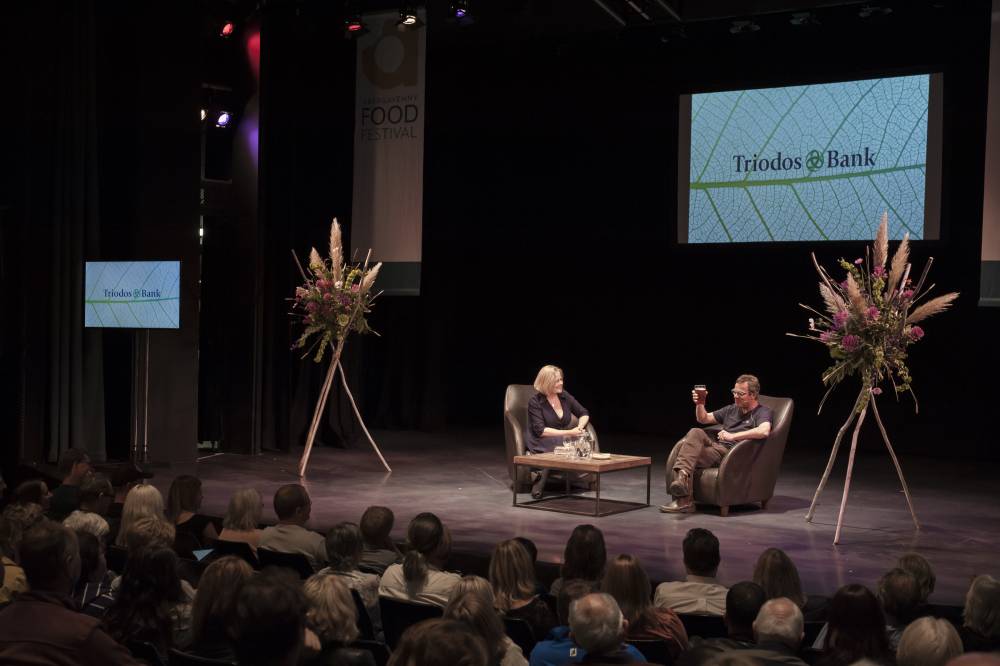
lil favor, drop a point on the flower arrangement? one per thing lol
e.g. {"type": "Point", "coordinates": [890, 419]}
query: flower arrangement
{"type": "Point", "coordinates": [334, 299]}
{"type": "Point", "coordinates": [871, 318]}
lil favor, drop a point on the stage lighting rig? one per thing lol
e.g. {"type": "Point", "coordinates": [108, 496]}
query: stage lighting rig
{"type": "Point", "coordinates": [408, 18]}
{"type": "Point", "coordinates": [223, 119]}
{"type": "Point", "coordinates": [227, 29]}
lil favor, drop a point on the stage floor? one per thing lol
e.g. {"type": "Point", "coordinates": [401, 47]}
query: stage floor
{"type": "Point", "coordinates": [462, 477]}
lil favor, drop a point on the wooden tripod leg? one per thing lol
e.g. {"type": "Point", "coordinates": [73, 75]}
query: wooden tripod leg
{"type": "Point", "coordinates": [357, 413]}
{"type": "Point", "coordinates": [829, 464]}
{"type": "Point", "coordinates": [895, 461]}
{"type": "Point", "coordinates": [317, 417]}
{"type": "Point", "coordinates": [847, 479]}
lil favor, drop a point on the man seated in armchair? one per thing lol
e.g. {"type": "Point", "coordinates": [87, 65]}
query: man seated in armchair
{"type": "Point", "coordinates": [746, 418]}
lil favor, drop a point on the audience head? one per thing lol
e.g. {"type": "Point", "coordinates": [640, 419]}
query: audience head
{"type": "Point", "coordinates": [34, 491]}
{"type": "Point", "coordinates": [982, 607]}
{"type": "Point", "coordinates": [585, 556]}
{"type": "Point", "coordinates": [627, 582]}
{"type": "Point", "coordinates": [928, 641]}
{"type": "Point", "coordinates": [734, 658]}
{"type": "Point", "coordinates": [93, 566]}
{"type": "Point", "coordinates": [96, 493]}
{"type": "Point", "coordinates": [856, 626]}
{"type": "Point", "coordinates": [184, 496]}
{"type": "Point", "coordinates": [74, 466]}
{"type": "Point", "coordinates": [472, 585]}
{"type": "Point", "coordinates": [596, 623]}
{"type": "Point", "coordinates": [376, 526]}
{"type": "Point", "coordinates": [149, 533]}
{"type": "Point", "coordinates": [292, 504]}
{"type": "Point", "coordinates": [440, 643]}
{"type": "Point", "coordinates": [918, 567]}
{"type": "Point", "coordinates": [87, 521]}
{"type": "Point", "coordinates": [243, 513]}
{"type": "Point", "coordinates": [149, 586]}
{"type": "Point", "coordinates": [430, 545]}
{"type": "Point", "coordinates": [701, 553]}
{"type": "Point", "coordinates": [511, 574]}
{"type": "Point", "coordinates": [125, 476]}
{"type": "Point", "coordinates": [547, 378]}
{"type": "Point", "coordinates": [571, 590]}
{"type": "Point", "coordinates": [215, 600]}
{"type": "Point", "coordinates": [529, 546]}
{"type": "Point", "coordinates": [344, 546]}
{"type": "Point", "coordinates": [743, 602]}
{"type": "Point", "coordinates": [50, 557]}
{"type": "Point", "coordinates": [976, 659]}
{"type": "Point", "coordinates": [332, 613]}
{"type": "Point", "coordinates": [268, 623]}
{"type": "Point", "coordinates": [899, 594]}
{"type": "Point", "coordinates": [141, 502]}
{"type": "Point", "coordinates": [19, 519]}
{"type": "Point", "coordinates": [777, 574]}
{"type": "Point", "coordinates": [476, 611]}
{"type": "Point", "coordinates": [780, 621]}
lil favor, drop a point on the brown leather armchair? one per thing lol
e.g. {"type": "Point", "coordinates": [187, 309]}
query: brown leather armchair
{"type": "Point", "coordinates": [749, 471]}
{"type": "Point", "coordinates": [515, 425]}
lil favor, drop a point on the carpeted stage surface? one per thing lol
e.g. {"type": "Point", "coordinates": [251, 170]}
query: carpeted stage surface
{"type": "Point", "coordinates": [462, 477]}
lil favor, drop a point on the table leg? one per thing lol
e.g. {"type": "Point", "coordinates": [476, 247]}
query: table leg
{"type": "Point", "coordinates": [597, 504]}
{"type": "Point", "coordinates": [648, 468]}
{"type": "Point", "coordinates": [513, 485]}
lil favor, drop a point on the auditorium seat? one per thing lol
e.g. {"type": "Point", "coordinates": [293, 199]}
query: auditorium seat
{"type": "Point", "coordinates": [519, 631]}
{"type": "Point", "coordinates": [398, 615]}
{"type": "Point", "coordinates": [655, 651]}
{"type": "Point", "coordinates": [704, 626]}
{"type": "Point", "coordinates": [178, 658]}
{"type": "Point", "coordinates": [297, 562]}
{"type": "Point", "coordinates": [365, 628]}
{"type": "Point", "coordinates": [238, 549]}
{"type": "Point", "coordinates": [749, 471]}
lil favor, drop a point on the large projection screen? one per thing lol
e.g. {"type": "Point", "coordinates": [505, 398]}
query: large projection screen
{"type": "Point", "coordinates": [811, 162]}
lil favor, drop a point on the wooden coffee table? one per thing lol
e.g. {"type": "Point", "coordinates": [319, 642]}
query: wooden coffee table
{"type": "Point", "coordinates": [567, 503]}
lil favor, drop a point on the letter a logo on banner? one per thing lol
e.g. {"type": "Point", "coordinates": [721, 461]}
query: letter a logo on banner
{"type": "Point", "coordinates": [387, 213]}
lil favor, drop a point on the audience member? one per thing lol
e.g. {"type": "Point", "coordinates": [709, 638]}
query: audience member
{"type": "Point", "coordinates": [343, 550]}
{"type": "Point", "coordinates": [627, 582]}
{"type": "Point", "coordinates": [583, 559]}
{"type": "Point", "coordinates": [928, 641]}
{"type": "Point", "coordinates": [42, 626]}
{"type": "Point", "coordinates": [743, 603]}
{"type": "Point", "coordinates": [440, 643]}
{"type": "Point", "coordinates": [976, 659]}
{"type": "Point", "coordinates": [981, 616]}
{"type": "Point", "coordinates": [268, 622]}
{"type": "Point", "coordinates": [778, 575]}
{"type": "Point", "coordinates": [420, 578]}
{"type": "Point", "coordinates": [14, 581]}
{"type": "Point", "coordinates": [293, 507]}
{"type": "Point", "coordinates": [379, 551]}
{"type": "Point", "coordinates": [33, 491]}
{"type": "Point", "coordinates": [150, 604]}
{"type": "Point", "coordinates": [332, 616]}
{"type": "Point", "coordinates": [242, 518]}
{"type": "Point", "coordinates": [596, 625]}
{"type": "Point", "coordinates": [124, 477]}
{"type": "Point", "coordinates": [778, 632]}
{"type": "Point", "coordinates": [141, 502]}
{"type": "Point", "coordinates": [183, 503]}
{"type": "Point", "coordinates": [532, 549]}
{"type": "Point", "coordinates": [475, 608]}
{"type": "Point", "coordinates": [74, 468]}
{"type": "Point", "coordinates": [559, 647]}
{"type": "Point", "coordinates": [515, 591]}
{"type": "Point", "coordinates": [700, 593]}
{"type": "Point", "coordinates": [95, 493]}
{"type": "Point", "coordinates": [95, 579]}
{"type": "Point", "coordinates": [918, 567]}
{"type": "Point", "coordinates": [899, 594]}
{"type": "Point", "coordinates": [855, 628]}
{"type": "Point", "coordinates": [212, 610]}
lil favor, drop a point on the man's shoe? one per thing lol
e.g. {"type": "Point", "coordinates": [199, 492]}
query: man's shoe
{"type": "Point", "coordinates": [681, 482]}
{"type": "Point", "coordinates": [678, 507]}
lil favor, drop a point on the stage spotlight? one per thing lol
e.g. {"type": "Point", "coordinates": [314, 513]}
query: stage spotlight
{"type": "Point", "coordinates": [408, 19]}
{"type": "Point", "coordinates": [460, 9]}
{"type": "Point", "coordinates": [228, 28]}
{"type": "Point", "coordinates": [353, 25]}
{"type": "Point", "coordinates": [204, 114]}
{"type": "Point", "coordinates": [223, 119]}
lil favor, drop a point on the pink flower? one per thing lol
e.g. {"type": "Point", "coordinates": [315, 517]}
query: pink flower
{"type": "Point", "coordinates": [311, 306]}
{"type": "Point", "coordinates": [878, 272]}
{"type": "Point", "coordinates": [850, 343]}
{"type": "Point", "coordinates": [356, 287]}
{"type": "Point", "coordinates": [843, 285]}
{"type": "Point", "coordinates": [344, 299]}
{"type": "Point", "coordinates": [872, 312]}
{"type": "Point", "coordinates": [916, 333]}
{"type": "Point", "coordinates": [906, 295]}
{"type": "Point", "coordinates": [877, 391]}
{"type": "Point", "coordinates": [859, 261]}
{"type": "Point", "coordinates": [826, 336]}
{"type": "Point", "coordinates": [840, 318]}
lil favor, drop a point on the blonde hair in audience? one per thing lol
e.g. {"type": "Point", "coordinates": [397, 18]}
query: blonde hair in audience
{"type": "Point", "coordinates": [982, 606]}
{"type": "Point", "coordinates": [511, 574]}
{"type": "Point", "coordinates": [475, 611]}
{"type": "Point", "coordinates": [547, 378]}
{"type": "Point", "coordinates": [332, 613]}
{"type": "Point", "coordinates": [471, 584]}
{"type": "Point", "coordinates": [141, 502]}
{"type": "Point", "coordinates": [928, 641]}
{"type": "Point", "coordinates": [149, 533]}
{"type": "Point", "coordinates": [243, 512]}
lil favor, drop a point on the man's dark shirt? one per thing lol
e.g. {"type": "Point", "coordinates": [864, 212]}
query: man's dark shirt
{"type": "Point", "coordinates": [733, 420]}
{"type": "Point", "coordinates": [65, 500]}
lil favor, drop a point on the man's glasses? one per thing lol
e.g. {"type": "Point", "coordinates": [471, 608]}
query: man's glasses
{"type": "Point", "coordinates": [738, 394]}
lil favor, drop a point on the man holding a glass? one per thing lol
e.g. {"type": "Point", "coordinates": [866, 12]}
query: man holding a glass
{"type": "Point", "coordinates": [745, 418]}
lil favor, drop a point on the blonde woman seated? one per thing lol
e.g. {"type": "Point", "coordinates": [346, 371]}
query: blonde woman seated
{"type": "Point", "coordinates": [512, 577]}
{"type": "Point", "coordinates": [420, 578]}
{"type": "Point", "coordinates": [627, 582]}
{"type": "Point", "coordinates": [141, 502]}
{"type": "Point", "coordinates": [472, 604]}
{"type": "Point", "coordinates": [242, 518]}
{"type": "Point", "coordinates": [344, 546]}
{"type": "Point", "coordinates": [550, 419]}
{"type": "Point", "coordinates": [333, 617]}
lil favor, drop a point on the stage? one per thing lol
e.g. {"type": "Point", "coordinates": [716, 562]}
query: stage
{"type": "Point", "coordinates": [461, 475]}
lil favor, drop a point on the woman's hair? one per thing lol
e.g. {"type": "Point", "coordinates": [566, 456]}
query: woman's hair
{"type": "Point", "coordinates": [475, 611]}
{"type": "Point", "coordinates": [918, 567]}
{"type": "Point", "coordinates": [33, 491]}
{"type": "Point", "coordinates": [344, 546]}
{"type": "Point", "coordinates": [982, 606]}
{"type": "Point", "coordinates": [585, 556]}
{"type": "Point", "coordinates": [856, 626]}
{"type": "Point", "coordinates": [184, 495]}
{"type": "Point", "coordinates": [511, 574]}
{"type": "Point", "coordinates": [85, 521]}
{"type": "Point", "coordinates": [141, 611]}
{"type": "Point", "coordinates": [628, 583]}
{"type": "Point", "coordinates": [928, 641]}
{"type": "Point", "coordinates": [376, 525]}
{"type": "Point", "coordinates": [149, 533]}
{"type": "Point", "coordinates": [19, 518]}
{"type": "Point", "coordinates": [332, 613]}
{"type": "Point", "coordinates": [429, 540]}
{"type": "Point", "coordinates": [440, 642]}
{"type": "Point", "coordinates": [243, 512]}
{"type": "Point", "coordinates": [471, 584]}
{"type": "Point", "coordinates": [776, 573]}
{"type": "Point", "coordinates": [547, 378]}
{"type": "Point", "coordinates": [141, 502]}
{"type": "Point", "coordinates": [218, 589]}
